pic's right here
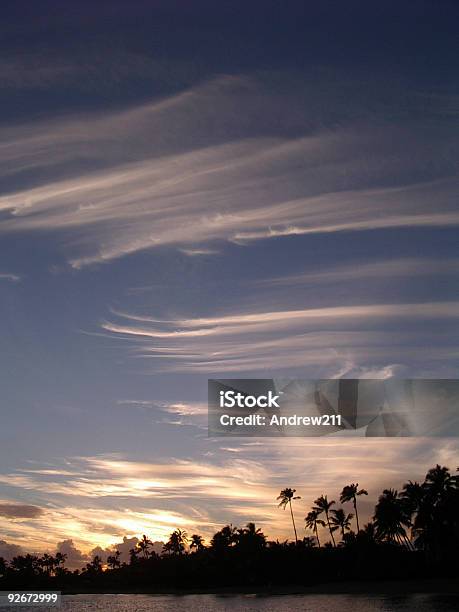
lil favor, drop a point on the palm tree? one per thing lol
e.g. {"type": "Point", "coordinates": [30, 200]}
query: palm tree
{"type": "Point", "coordinates": [341, 520]}
{"type": "Point", "coordinates": [224, 539]}
{"type": "Point", "coordinates": [143, 545]}
{"type": "Point", "coordinates": [27, 565]}
{"type": "Point", "coordinates": [113, 561]}
{"type": "Point", "coordinates": [412, 495]}
{"type": "Point", "coordinates": [197, 542]}
{"type": "Point", "coordinates": [94, 567]}
{"type": "Point", "coordinates": [286, 496]}
{"type": "Point", "coordinates": [435, 523]}
{"type": "Point", "coordinates": [350, 493]}
{"type": "Point", "coordinates": [250, 538]}
{"type": "Point", "coordinates": [323, 505]}
{"type": "Point", "coordinates": [391, 518]}
{"type": "Point", "coordinates": [309, 542]}
{"type": "Point", "coordinates": [133, 555]}
{"type": "Point", "coordinates": [312, 520]}
{"type": "Point", "coordinates": [47, 562]}
{"type": "Point", "coordinates": [176, 543]}
{"type": "Point", "coordinates": [60, 559]}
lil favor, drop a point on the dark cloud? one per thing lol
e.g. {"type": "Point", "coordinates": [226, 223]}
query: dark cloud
{"type": "Point", "coordinates": [20, 511]}
{"type": "Point", "coordinates": [8, 551]}
{"type": "Point", "coordinates": [124, 547]}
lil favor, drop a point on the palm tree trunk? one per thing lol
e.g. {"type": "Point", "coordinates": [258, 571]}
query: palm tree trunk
{"type": "Point", "coordinates": [408, 542]}
{"type": "Point", "coordinates": [356, 515]}
{"type": "Point", "coordinates": [317, 536]}
{"type": "Point", "coordinates": [293, 521]}
{"type": "Point", "coordinates": [331, 532]}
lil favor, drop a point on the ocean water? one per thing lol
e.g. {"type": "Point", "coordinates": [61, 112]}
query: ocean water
{"type": "Point", "coordinates": [252, 603]}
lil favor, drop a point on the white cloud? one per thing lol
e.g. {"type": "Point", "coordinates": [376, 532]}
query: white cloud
{"type": "Point", "coordinates": [187, 170]}
{"type": "Point", "coordinates": [374, 270]}
{"type": "Point", "coordinates": [366, 336]}
{"type": "Point", "coordinates": [14, 278]}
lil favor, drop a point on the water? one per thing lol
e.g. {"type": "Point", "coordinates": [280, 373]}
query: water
{"type": "Point", "coordinates": [252, 603]}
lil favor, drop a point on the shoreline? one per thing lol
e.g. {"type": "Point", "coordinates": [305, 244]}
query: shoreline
{"type": "Point", "coordinates": [383, 587]}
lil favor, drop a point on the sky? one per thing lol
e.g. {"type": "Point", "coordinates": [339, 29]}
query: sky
{"type": "Point", "coordinates": [214, 190]}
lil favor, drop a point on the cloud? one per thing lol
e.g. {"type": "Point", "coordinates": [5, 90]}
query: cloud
{"type": "Point", "coordinates": [374, 270]}
{"type": "Point", "coordinates": [20, 511]}
{"type": "Point", "coordinates": [369, 336]}
{"type": "Point", "coordinates": [127, 181]}
{"type": "Point", "coordinates": [75, 558]}
{"type": "Point", "coordinates": [8, 551]}
{"type": "Point", "coordinates": [14, 278]}
{"type": "Point", "coordinates": [111, 498]}
{"type": "Point", "coordinates": [174, 413]}
{"type": "Point", "coordinates": [198, 252]}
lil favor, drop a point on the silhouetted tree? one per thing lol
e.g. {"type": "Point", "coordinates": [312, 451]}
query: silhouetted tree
{"type": "Point", "coordinates": [224, 539]}
{"type": "Point", "coordinates": [113, 561]}
{"type": "Point", "coordinates": [197, 543]}
{"type": "Point", "coordinates": [26, 565]}
{"type": "Point", "coordinates": [341, 520]}
{"type": "Point", "coordinates": [48, 563]}
{"type": "Point", "coordinates": [436, 520]}
{"type": "Point", "coordinates": [323, 505]}
{"type": "Point", "coordinates": [176, 543]}
{"type": "Point", "coordinates": [308, 542]}
{"type": "Point", "coordinates": [144, 544]}
{"type": "Point", "coordinates": [60, 558]}
{"type": "Point", "coordinates": [350, 493]}
{"type": "Point", "coordinates": [285, 497]}
{"type": "Point", "coordinates": [312, 520]}
{"type": "Point", "coordinates": [133, 555]}
{"type": "Point", "coordinates": [94, 567]}
{"type": "Point", "coordinates": [250, 539]}
{"type": "Point", "coordinates": [391, 517]}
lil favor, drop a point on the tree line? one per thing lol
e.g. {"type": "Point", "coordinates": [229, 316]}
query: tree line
{"type": "Point", "coordinates": [413, 532]}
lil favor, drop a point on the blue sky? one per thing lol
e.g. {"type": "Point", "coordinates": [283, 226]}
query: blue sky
{"type": "Point", "coordinates": [191, 193]}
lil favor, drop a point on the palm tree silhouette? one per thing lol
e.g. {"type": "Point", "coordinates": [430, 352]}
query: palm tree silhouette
{"type": "Point", "coordinates": [197, 542]}
{"type": "Point", "coordinates": [350, 493]}
{"type": "Point", "coordinates": [391, 518]}
{"type": "Point", "coordinates": [47, 562]}
{"type": "Point", "coordinates": [435, 505]}
{"type": "Point", "coordinates": [439, 480]}
{"type": "Point", "coordinates": [176, 543]}
{"type": "Point", "coordinates": [3, 566]}
{"type": "Point", "coordinates": [143, 545]}
{"type": "Point", "coordinates": [286, 496]}
{"type": "Point", "coordinates": [113, 561]}
{"type": "Point", "coordinates": [224, 539]}
{"type": "Point", "coordinates": [250, 538]}
{"type": "Point", "coordinates": [323, 505]}
{"type": "Point", "coordinates": [341, 520]}
{"type": "Point", "coordinates": [60, 559]}
{"type": "Point", "coordinates": [312, 520]}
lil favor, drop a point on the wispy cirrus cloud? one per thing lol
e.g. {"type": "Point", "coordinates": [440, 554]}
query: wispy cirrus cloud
{"type": "Point", "coordinates": [108, 497]}
{"type": "Point", "coordinates": [114, 185]}
{"type": "Point", "coordinates": [14, 278]}
{"type": "Point", "coordinates": [373, 270]}
{"type": "Point", "coordinates": [173, 413]}
{"type": "Point", "coordinates": [369, 336]}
